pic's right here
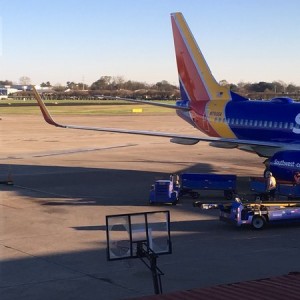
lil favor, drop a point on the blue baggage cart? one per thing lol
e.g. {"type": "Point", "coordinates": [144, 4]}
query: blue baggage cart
{"type": "Point", "coordinates": [283, 188]}
{"type": "Point", "coordinates": [192, 183]}
{"type": "Point", "coordinates": [259, 186]}
{"type": "Point", "coordinates": [291, 191]}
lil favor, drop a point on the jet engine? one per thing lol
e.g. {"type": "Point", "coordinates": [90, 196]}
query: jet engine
{"type": "Point", "coordinates": [285, 165]}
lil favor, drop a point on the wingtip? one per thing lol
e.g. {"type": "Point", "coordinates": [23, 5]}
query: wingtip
{"type": "Point", "coordinates": [43, 108]}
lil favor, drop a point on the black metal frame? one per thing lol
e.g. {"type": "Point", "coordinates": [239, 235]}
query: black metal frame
{"type": "Point", "coordinates": [131, 242]}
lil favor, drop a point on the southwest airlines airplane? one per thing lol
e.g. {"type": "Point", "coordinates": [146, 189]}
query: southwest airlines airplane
{"type": "Point", "coordinates": [270, 129]}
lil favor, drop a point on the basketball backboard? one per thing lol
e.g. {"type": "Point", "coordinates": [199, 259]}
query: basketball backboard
{"type": "Point", "coordinates": [125, 231]}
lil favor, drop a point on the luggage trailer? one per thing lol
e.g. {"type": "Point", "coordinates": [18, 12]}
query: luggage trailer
{"type": "Point", "coordinates": [259, 214]}
{"type": "Point", "coordinates": [169, 191]}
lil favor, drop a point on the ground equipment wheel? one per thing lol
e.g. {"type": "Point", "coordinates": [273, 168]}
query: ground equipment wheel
{"type": "Point", "coordinates": [258, 222]}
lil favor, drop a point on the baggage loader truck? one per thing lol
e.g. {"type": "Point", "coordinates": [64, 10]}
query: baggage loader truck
{"type": "Point", "coordinates": [259, 214]}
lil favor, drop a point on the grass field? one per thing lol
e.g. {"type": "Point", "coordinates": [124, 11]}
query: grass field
{"type": "Point", "coordinates": [67, 107]}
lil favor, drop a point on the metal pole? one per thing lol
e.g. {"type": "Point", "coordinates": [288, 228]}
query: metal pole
{"type": "Point", "coordinates": [155, 276]}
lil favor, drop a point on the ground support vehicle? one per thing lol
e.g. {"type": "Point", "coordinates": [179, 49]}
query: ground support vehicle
{"type": "Point", "coordinates": [169, 191]}
{"type": "Point", "coordinates": [192, 183]}
{"type": "Point", "coordinates": [260, 213]}
{"type": "Point", "coordinates": [164, 191]}
{"type": "Point", "coordinates": [291, 190]}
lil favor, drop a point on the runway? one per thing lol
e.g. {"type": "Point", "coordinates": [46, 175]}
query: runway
{"type": "Point", "coordinates": [53, 239]}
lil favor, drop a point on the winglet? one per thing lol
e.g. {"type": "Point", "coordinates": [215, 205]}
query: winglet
{"type": "Point", "coordinates": [44, 110]}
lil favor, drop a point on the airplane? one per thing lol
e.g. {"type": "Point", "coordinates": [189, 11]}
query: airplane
{"type": "Point", "coordinates": [271, 129]}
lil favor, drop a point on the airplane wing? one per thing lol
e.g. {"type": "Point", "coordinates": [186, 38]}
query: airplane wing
{"type": "Point", "coordinates": [175, 137]}
{"type": "Point", "coordinates": [152, 103]}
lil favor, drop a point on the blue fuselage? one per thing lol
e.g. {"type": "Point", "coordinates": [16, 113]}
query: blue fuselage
{"type": "Point", "coordinates": [277, 120]}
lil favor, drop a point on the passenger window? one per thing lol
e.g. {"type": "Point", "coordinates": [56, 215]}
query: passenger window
{"type": "Point", "coordinates": [251, 123]}
{"type": "Point", "coordinates": [242, 122]}
{"type": "Point", "coordinates": [285, 125]}
{"type": "Point", "coordinates": [292, 125]}
{"type": "Point", "coordinates": [246, 122]}
{"type": "Point", "coordinates": [275, 124]}
{"type": "Point", "coordinates": [280, 124]}
{"type": "Point", "coordinates": [255, 123]}
{"type": "Point", "coordinates": [260, 123]}
{"type": "Point", "coordinates": [265, 123]}
{"type": "Point", "coordinates": [270, 124]}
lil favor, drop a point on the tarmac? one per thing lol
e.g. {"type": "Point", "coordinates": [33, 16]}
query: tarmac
{"type": "Point", "coordinates": [52, 219]}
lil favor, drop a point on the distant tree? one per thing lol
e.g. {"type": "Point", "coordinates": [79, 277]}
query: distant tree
{"type": "Point", "coordinates": [46, 84]}
{"type": "Point", "coordinates": [164, 86]}
{"type": "Point", "coordinates": [260, 87]}
{"type": "Point", "coordinates": [224, 82]}
{"type": "Point", "coordinates": [134, 85]}
{"type": "Point", "coordinates": [5, 82]}
{"type": "Point", "coordinates": [58, 87]}
{"type": "Point", "coordinates": [102, 84]}
{"type": "Point", "coordinates": [233, 87]}
{"type": "Point", "coordinates": [118, 82]}
{"type": "Point", "coordinates": [291, 88]}
{"type": "Point", "coordinates": [24, 80]}
{"type": "Point", "coordinates": [71, 85]}
{"type": "Point", "coordinates": [279, 86]}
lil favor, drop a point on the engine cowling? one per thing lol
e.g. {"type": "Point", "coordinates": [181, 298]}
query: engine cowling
{"type": "Point", "coordinates": [285, 164]}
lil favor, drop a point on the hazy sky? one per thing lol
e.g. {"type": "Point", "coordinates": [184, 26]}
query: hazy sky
{"type": "Point", "coordinates": [76, 40]}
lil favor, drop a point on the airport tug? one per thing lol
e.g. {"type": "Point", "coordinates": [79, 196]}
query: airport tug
{"type": "Point", "coordinates": [259, 214]}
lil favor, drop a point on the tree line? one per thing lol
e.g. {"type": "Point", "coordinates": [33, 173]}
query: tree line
{"type": "Point", "coordinates": [117, 86]}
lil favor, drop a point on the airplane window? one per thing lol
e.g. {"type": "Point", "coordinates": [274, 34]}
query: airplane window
{"type": "Point", "coordinates": [228, 120]}
{"type": "Point", "coordinates": [232, 121]}
{"type": "Point", "coordinates": [275, 124]}
{"type": "Point", "coordinates": [270, 123]}
{"type": "Point", "coordinates": [251, 122]}
{"type": "Point", "coordinates": [246, 122]}
{"type": "Point", "coordinates": [265, 123]}
{"type": "Point", "coordinates": [242, 122]}
{"type": "Point", "coordinates": [237, 122]}
{"type": "Point", "coordinates": [292, 125]}
{"type": "Point", "coordinates": [280, 124]}
{"type": "Point", "coordinates": [224, 120]}
{"type": "Point", "coordinates": [260, 123]}
{"type": "Point", "coordinates": [255, 123]}
{"type": "Point", "coordinates": [285, 125]}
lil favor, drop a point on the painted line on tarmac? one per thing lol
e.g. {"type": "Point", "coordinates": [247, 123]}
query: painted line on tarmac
{"type": "Point", "coordinates": [71, 197]}
{"type": "Point", "coordinates": [66, 152]}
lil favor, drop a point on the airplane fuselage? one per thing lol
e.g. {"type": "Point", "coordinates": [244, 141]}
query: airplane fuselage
{"type": "Point", "coordinates": [276, 120]}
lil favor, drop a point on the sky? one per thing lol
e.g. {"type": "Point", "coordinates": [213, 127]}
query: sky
{"type": "Point", "coordinates": [80, 41]}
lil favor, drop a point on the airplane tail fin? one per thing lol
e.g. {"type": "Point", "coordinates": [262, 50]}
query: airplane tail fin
{"type": "Point", "coordinates": [197, 83]}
